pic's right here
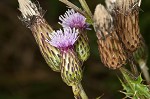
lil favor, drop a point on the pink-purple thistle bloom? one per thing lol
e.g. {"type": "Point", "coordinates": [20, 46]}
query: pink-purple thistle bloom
{"type": "Point", "coordinates": [64, 39]}
{"type": "Point", "coordinates": [73, 19]}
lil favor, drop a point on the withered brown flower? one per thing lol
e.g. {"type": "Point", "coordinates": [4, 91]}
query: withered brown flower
{"type": "Point", "coordinates": [110, 48]}
{"type": "Point", "coordinates": [125, 14]}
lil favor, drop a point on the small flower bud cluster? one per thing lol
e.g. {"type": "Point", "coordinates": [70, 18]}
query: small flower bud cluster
{"type": "Point", "coordinates": [73, 43]}
{"type": "Point", "coordinates": [74, 19]}
{"type": "Point", "coordinates": [117, 31]}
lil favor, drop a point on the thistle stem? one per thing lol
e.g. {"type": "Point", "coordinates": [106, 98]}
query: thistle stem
{"type": "Point", "coordinates": [85, 13]}
{"type": "Point", "coordinates": [71, 5]}
{"type": "Point", "coordinates": [134, 68]}
{"type": "Point", "coordinates": [124, 70]}
{"type": "Point", "coordinates": [85, 7]}
{"type": "Point", "coordinates": [144, 69]}
{"type": "Point", "coordinates": [79, 92]}
{"type": "Point", "coordinates": [133, 65]}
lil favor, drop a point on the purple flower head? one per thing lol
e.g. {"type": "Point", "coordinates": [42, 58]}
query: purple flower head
{"type": "Point", "coordinates": [73, 19]}
{"type": "Point", "coordinates": [63, 39]}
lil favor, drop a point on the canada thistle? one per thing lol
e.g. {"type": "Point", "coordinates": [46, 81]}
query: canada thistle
{"type": "Point", "coordinates": [71, 71]}
{"type": "Point", "coordinates": [125, 14]}
{"type": "Point", "coordinates": [111, 49]}
{"type": "Point", "coordinates": [33, 17]}
{"type": "Point", "coordinates": [74, 19]}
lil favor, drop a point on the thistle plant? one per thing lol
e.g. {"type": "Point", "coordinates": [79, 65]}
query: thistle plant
{"type": "Point", "coordinates": [57, 47]}
{"type": "Point", "coordinates": [120, 42]}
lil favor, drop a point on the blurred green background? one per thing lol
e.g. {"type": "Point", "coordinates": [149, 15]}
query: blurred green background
{"type": "Point", "coordinates": [24, 73]}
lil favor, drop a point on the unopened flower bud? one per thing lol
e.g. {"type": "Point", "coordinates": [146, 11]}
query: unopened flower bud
{"type": "Point", "coordinates": [82, 46]}
{"type": "Point", "coordinates": [71, 71]}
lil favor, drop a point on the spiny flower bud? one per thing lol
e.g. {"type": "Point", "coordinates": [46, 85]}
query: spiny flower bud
{"type": "Point", "coordinates": [74, 19]}
{"type": "Point", "coordinates": [33, 17]}
{"type": "Point", "coordinates": [71, 71]}
{"type": "Point", "coordinates": [82, 46]}
{"type": "Point", "coordinates": [110, 48]}
{"type": "Point", "coordinates": [126, 21]}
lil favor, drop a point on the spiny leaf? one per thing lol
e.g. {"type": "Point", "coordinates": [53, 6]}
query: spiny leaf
{"type": "Point", "coordinates": [135, 88]}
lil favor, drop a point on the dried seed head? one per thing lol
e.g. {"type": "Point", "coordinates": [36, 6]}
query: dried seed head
{"type": "Point", "coordinates": [29, 10]}
{"type": "Point", "coordinates": [102, 22]}
{"type": "Point", "coordinates": [126, 6]}
{"type": "Point", "coordinates": [33, 17]}
{"type": "Point", "coordinates": [111, 50]}
{"type": "Point", "coordinates": [126, 16]}
{"type": "Point", "coordinates": [71, 71]}
{"type": "Point", "coordinates": [110, 4]}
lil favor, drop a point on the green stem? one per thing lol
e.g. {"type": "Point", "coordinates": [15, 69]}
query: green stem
{"type": "Point", "coordinates": [88, 13]}
{"type": "Point", "coordinates": [134, 68]}
{"type": "Point", "coordinates": [144, 69]}
{"type": "Point", "coordinates": [86, 7]}
{"type": "Point", "coordinates": [71, 5]}
{"type": "Point", "coordinates": [79, 92]}
{"type": "Point", "coordinates": [125, 71]}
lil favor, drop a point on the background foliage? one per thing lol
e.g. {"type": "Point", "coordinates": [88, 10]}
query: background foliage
{"type": "Point", "coordinates": [23, 71]}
